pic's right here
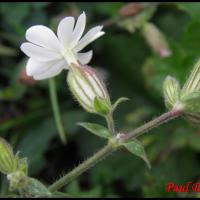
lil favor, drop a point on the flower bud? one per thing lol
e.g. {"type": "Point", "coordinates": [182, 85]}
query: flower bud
{"type": "Point", "coordinates": [187, 98]}
{"type": "Point", "coordinates": [89, 89]}
{"type": "Point", "coordinates": [171, 90]}
{"type": "Point", "coordinates": [7, 158]}
{"type": "Point", "coordinates": [156, 39]}
{"type": "Point", "coordinates": [190, 95]}
{"type": "Point", "coordinates": [10, 163]}
{"type": "Point", "coordinates": [193, 82]}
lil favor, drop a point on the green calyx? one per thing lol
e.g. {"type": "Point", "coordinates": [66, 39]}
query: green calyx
{"type": "Point", "coordinates": [191, 102]}
{"type": "Point", "coordinates": [10, 163]}
{"type": "Point", "coordinates": [88, 89]}
{"type": "Point", "coordinates": [171, 91]}
{"type": "Point", "coordinates": [101, 106]}
{"type": "Point", "coordinates": [175, 97]}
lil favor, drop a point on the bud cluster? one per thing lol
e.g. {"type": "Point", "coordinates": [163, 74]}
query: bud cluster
{"type": "Point", "coordinates": [187, 98]}
{"type": "Point", "coordinates": [11, 165]}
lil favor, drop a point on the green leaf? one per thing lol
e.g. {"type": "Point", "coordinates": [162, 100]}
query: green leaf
{"type": "Point", "coordinates": [135, 147]}
{"type": "Point", "coordinates": [101, 106]}
{"type": "Point", "coordinates": [35, 188]}
{"type": "Point", "coordinates": [120, 100]}
{"type": "Point", "coordinates": [96, 129]}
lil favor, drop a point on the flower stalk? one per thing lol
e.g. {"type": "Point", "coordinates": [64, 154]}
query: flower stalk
{"type": "Point", "coordinates": [114, 144]}
{"type": "Point", "coordinates": [110, 123]}
{"type": "Point", "coordinates": [108, 149]}
{"type": "Point", "coordinates": [176, 112]}
{"type": "Point", "coordinates": [56, 110]}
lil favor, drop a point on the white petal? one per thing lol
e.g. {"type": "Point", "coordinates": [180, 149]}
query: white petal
{"type": "Point", "coordinates": [49, 74]}
{"type": "Point", "coordinates": [52, 69]}
{"type": "Point", "coordinates": [39, 53]}
{"type": "Point", "coordinates": [35, 67]}
{"type": "Point", "coordinates": [89, 37]}
{"type": "Point", "coordinates": [43, 36]}
{"type": "Point", "coordinates": [65, 30]}
{"type": "Point", "coordinates": [78, 30]}
{"type": "Point", "coordinates": [84, 58]}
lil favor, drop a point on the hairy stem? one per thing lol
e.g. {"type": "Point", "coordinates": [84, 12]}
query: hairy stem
{"type": "Point", "coordinates": [90, 162]}
{"type": "Point", "coordinates": [110, 123]}
{"type": "Point", "coordinates": [56, 111]}
{"type": "Point", "coordinates": [112, 146]}
{"type": "Point", "coordinates": [152, 124]}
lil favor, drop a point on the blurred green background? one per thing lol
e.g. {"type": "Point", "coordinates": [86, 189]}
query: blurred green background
{"type": "Point", "coordinates": [133, 70]}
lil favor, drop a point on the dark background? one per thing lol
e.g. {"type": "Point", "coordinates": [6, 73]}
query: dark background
{"type": "Point", "coordinates": [133, 70]}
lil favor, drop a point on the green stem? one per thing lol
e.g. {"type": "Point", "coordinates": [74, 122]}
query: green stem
{"type": "Point", "coordinates": [152, 124]}
{"type": "Point", "coordinates": [108, 149]}
{"type": "Point", "coordinates": [110, 123]}
{"type": "Point", "coordinates": [111, 146]}
{"type": "Point", "coordinates": [56, 111]}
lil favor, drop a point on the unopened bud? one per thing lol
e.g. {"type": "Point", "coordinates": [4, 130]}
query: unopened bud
{"type": "Point", "coordinates": [89, 89]}
{"type": "Point", "coordinates": [188, 98]}
{"type": "Point", "coordinates": [191, 102]}
{"type": "Point", "coordinates": [156, 40]}
{"type": "Point", "coordinates": [190, 95]}
{"type": "Point", "coordinates": [7, 158]}
{"type": "Point", "coordinates": [171, 90]}
{"type": "Point", "coordinates": [193, 82]}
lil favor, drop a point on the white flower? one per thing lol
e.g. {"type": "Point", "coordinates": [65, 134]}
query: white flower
{"type": "Point", "coordinates": [50, 54]}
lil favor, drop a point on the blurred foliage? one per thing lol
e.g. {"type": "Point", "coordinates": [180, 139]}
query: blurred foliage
{"type": "Point", "coordinates": [132, 70]}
